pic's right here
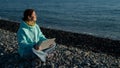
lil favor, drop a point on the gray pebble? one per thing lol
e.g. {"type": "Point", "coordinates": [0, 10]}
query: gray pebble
{"type": "Point", "coordinates": [64, 57]}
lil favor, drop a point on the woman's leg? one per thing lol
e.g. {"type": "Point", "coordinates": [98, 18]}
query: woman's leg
{"type": "Point", "coordinates": [29, 55]}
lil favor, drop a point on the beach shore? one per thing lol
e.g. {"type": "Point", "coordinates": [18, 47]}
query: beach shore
{"type": "Point", "coordinates": [73, 50]}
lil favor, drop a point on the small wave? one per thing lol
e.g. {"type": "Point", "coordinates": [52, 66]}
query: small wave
{"type": "Point", "coordinates": [2, 18]}
{"type": "Point", "coordinates": [7, 19]}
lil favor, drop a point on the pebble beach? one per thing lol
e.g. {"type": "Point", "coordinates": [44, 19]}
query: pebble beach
{"type": "Point", "coordinates": [64, 56]}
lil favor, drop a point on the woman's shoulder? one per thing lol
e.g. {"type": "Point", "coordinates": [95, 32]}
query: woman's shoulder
{"type": "Point", "coordinates": [22, 28]}
{"type": "Point", "coordinates": [36, 25]}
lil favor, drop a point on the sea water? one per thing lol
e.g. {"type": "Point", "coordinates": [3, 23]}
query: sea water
{"type": "Point", "coordinates": [95, 17]}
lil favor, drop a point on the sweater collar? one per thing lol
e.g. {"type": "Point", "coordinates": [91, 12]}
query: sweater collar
{"type": "Point", "coordinates": [24, 24]}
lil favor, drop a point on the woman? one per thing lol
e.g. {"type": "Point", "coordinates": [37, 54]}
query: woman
{"type": "Point", "coordinates": [30, 36]}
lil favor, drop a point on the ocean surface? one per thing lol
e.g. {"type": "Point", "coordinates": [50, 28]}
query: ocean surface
{"type": "Point", "coordinates": [95, 17]}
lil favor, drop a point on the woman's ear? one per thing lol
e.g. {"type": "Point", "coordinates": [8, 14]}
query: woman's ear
{"type": "Point", "coordinates": [29, 18]}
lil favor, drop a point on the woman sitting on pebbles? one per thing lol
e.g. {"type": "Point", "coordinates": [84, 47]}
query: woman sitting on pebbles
{"type": "Point", "coordinates": [30, 37]}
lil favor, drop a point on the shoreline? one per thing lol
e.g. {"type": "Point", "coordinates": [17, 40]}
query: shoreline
{"type": "Point", "coordinates": [85, 41]}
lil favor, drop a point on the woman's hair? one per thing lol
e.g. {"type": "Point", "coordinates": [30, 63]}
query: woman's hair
{"type": "Point", "coordinates": [27, 12]}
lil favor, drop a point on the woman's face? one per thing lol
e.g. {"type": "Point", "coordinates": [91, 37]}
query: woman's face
{"type": "Point", "coordinates": [33, 17]}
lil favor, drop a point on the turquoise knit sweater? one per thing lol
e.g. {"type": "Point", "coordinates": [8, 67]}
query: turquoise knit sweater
{"type": "Point", "coordinates": [27, 37]}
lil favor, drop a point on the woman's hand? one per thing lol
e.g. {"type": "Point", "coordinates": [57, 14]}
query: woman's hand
{"type": "Point", "coordinates": [38, 47]}
{"type": "Point", "coordinates": [51, 45]}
